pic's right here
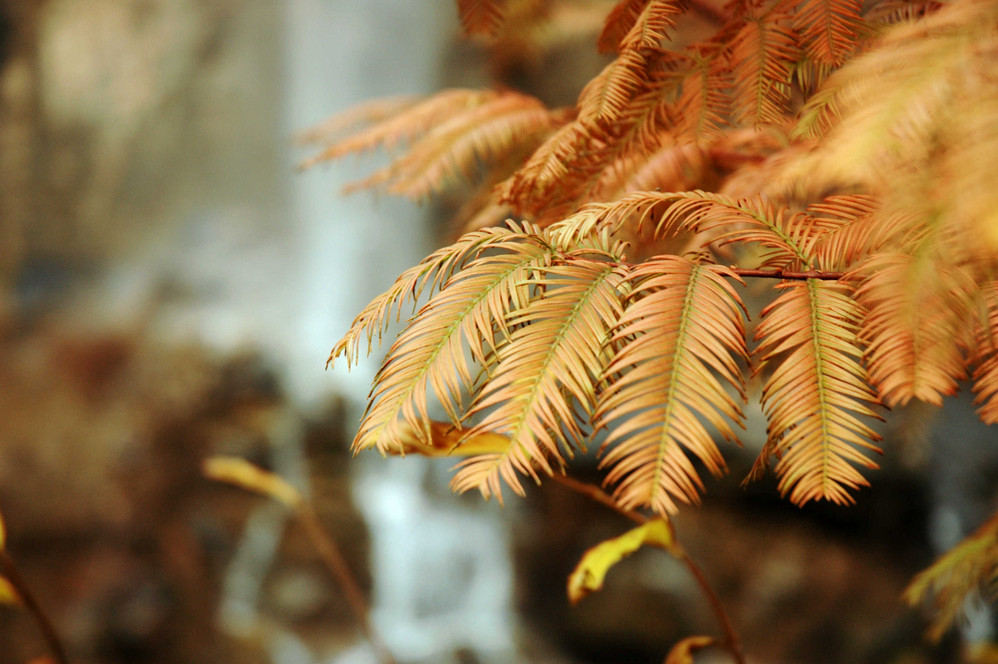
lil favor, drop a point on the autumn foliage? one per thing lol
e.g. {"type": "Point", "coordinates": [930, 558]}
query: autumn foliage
{"type": "Point", "coordinates": [842, 154]}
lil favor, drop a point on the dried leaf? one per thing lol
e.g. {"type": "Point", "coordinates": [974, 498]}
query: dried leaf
{"type": "Point", "coordinates": [588, 575]}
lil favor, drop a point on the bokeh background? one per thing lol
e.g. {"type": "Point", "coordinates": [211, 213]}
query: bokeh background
{"type": "Point", "coordinates": [170, 287]}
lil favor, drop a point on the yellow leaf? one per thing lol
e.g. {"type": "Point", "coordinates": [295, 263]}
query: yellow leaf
{"type": "Point", "coordinates": [445, 439]}
{"type": "Point", "coordinates": [242, 473]}
{"type": "Point", "coordinates": [7, 593]}
{"type": "Point", "coordinates": [596, 562]}
{"type": "Point", "coordinates": [682, 652]}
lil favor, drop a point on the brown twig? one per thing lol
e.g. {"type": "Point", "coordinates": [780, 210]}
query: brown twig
{"type": "Point", "coordinates": [10, 572]}
{"type": "Point", "coordinates": [731, 643]}
{"type": "Point", "coordinates": [334, 560]}
{"type": "Point", "coordinates": [787, 274]}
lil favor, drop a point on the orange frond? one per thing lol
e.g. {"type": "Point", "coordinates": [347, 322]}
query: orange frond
{"type": "Point", "coordinates": [702, 106]}
{"type": "Point", "coordinates": [405, 123]}
{"type": "Point", "coordinates": [816, 393]}
{"type": "Point", "coordinates": [652, 25]}
{"type": "Point", "coordinates": [605, 98]}
{"type": "Point", "coordinates": [829, 29]}
{"type": "Point", "coordinates": [458, 147]}
{"type": "Point", "coordinates": [465, 318]}
{"type": "Point", "coordinates": [679, 343]}
{"type": "Point", "coordinates": [917, 308]}
{"type": "Point", "coordinates": [986, 356]}
{"type": "Point", "coordinates": [543, 383]}
{"type": "Point", "coordinates": [619, 22]}
{"type": "Point", "coordinates": [432, 271]}
{"type": "Point", "coordinates": [762, 59]}
{"type": "Point", "coordinates": [480, 17]}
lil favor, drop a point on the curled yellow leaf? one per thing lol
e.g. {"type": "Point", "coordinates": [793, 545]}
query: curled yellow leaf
{"type": "Point", "coordinates": [8, 595]}
{"type": "Point", "coordinates": [242, 473]}
{"type": "Point", "coordinates": [588, 575]}
{"type": "Point", "coordinates": [682, 652]}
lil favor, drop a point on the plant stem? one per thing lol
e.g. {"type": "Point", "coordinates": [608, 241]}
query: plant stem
{"type": "Point", "coordinates": [331, 556]}
{"type": "Point", "coordinates": [787, 274]}
{"type": "Point", "coordinates": [10, 572]}
{"type": "Point", "coordinates": [731, 641]}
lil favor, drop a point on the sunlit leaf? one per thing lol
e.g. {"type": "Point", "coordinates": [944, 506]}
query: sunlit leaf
{"type": "Point", "coordinates": [591, 571]}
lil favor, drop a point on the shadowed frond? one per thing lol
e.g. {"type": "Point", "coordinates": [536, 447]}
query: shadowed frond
{"type": "Point", "coordinates": [963, 572]}
{"type": "Point", "coordinates": [679, 343]}
{"type": "Point", "coordinates": [619, 23]}
{"type": "Point", "coordinates": [986, 356]}
{"type": "Point", "coordinates": [466, 317]}
{"type": "Point", "coordinates": [652, 25]}
{"type": "Point", "coordinates": [607, 95]}
{"type": "Point", "coordinates": [817, 392]}
{"type": "Point", "coordinates": [917, 309]}
{"type": "Point", "coordinates": [829, 29]}
{"type": "Point", "coordinates": [480, 17]}
{"type": "Point", "coordinates": [544, 380]}
{"type": "Point", "coordinates": [703, 105]}
{"type": "Point", "coordinates": [762, 59]}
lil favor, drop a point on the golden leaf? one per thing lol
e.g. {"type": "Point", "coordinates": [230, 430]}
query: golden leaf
{"type": "Point", "coordinates": [8, 595]}
{"type": "Point", "coordinates": [588, 575]}
{"type": "Point", "coordinates": [682, 652]}
{"type": "Point", "coordinates": [242, 473]}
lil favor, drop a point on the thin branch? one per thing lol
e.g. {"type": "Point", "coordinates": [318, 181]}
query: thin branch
{"type": "Point", "coordinates": [331, 556]}
{"type": "Point", "coordinates": [787, 274]}
{"type": "Point", "coordinates": [10, 572]}
{"type": "Point", "coordinates": [731, 641]}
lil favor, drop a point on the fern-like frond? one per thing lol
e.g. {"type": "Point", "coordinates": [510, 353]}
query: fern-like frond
{"type": "Point", "coordinates": [464, 318]}
{"type": "Point", "coordinates": [917, 309]}
{"type": "Point", "coordinates": [432, 271]}
{"type": "Point", "coordinates": [480, 17]}
{"type": "Point", "coordinates": [830, 29]}
{"type": "Point", "coordinates": [729, 220]}
{"type": "Point", "coordinates": [544, 380]}
{"type": "Point", "coordinates": [817, 392]}
{"type": "Point", "coordinates": [762, 59]}
{"type": "Point", "coordinates": [462, 144]}
{"type": "Point", "coordinates": [607, 95]}
{"type": "Point", "coordinates": [679, 343]}
{"type": "Point", "coordinates": [619, 22]}
{"type": "Point", "coordinates": [962, 572]}
{"type": "Point", "coordinates": [702, 106]}
{"type": "Point", "coordinates": [652, 25]}
{"type": "Point", "coordinates": [365, 114]}
{"type": "Point", "coordinates": [986, 356]}
{"type": "Point", "coordinates": [405, 123]}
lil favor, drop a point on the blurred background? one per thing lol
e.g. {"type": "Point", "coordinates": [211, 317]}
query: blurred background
{"type": "Point", "coordinates": [170, 288]}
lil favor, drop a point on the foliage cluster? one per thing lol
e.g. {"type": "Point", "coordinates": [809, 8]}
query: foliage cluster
{"type": "Point", "coordinates": [841, 151]}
